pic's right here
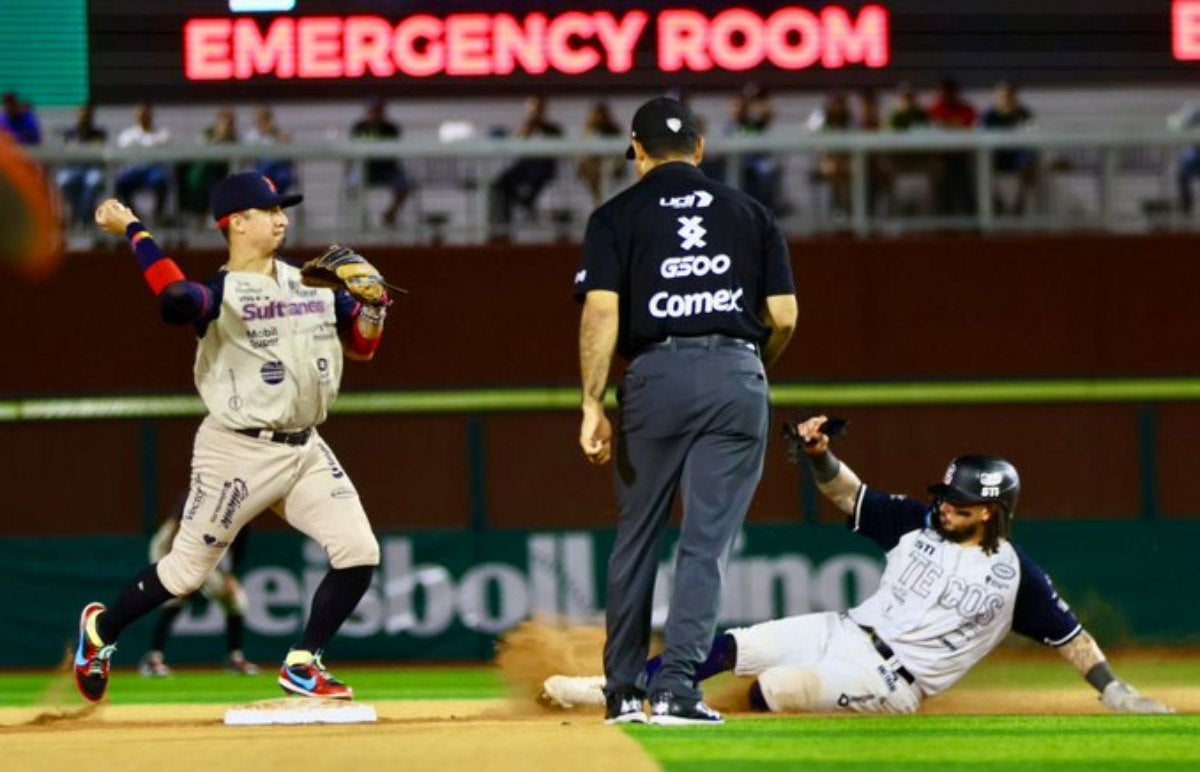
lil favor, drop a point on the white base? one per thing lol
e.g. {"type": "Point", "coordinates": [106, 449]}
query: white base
{"type": "Point", "coordinates": [301, 710]}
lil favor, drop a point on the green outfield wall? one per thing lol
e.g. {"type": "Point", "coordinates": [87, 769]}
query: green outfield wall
{"type": "Point", "coordinates": [442, 596]}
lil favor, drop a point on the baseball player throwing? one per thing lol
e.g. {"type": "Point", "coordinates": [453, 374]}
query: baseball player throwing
{"type": "Point", "coordinates": [268, 366]}
{"type": "Point", "coordinates": [952, 588]}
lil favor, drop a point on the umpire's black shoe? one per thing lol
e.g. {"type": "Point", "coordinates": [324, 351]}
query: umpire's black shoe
{"type": "Point", "coordinates": [624, 709]}
{"type": "Point", "coordinates": [668, 710]}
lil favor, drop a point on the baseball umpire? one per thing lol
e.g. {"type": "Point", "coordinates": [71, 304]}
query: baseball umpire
{"type": "Point", "coordinates": [268, 366]}
{"type": "Point", "coordinates": [952, 588]}
{"type": "Point", "coordinates": [691, 282]}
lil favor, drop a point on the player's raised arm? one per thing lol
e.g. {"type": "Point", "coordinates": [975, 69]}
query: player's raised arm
{"type": "Point", "coordinates": [836, 481]}
{"type": "Point", "coordinates": [183, 301]}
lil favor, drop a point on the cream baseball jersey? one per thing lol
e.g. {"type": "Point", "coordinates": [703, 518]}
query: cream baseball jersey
{"type": "Point", "coordinates": [271, 356]}
{"type": "Point", "coordinates": [942, 606]}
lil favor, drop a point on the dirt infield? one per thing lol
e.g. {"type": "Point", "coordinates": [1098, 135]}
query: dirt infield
{"type": "Point", "coordinates": [517, 733]}
{"type": "Point", "coordinates": [410, 735]}
{"type": "Point", "coordinates": [497, 735]}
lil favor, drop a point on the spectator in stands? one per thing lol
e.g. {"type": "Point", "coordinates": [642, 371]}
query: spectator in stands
{"type": "Point", "coordinates": [951, 112]}
{"type": "Point", "coordinates": [760, 175]}
{"type": "Point", "coordinates": [20, 121]}
{"type": "Point", "coordinates": [155, 177]}
{"type": "Point", "coordinates": [83, 184]}
{"type": "Point", "coordinates": [196, 178]}
{"type": "Point", "coordinates": [833, 168]}
{"type": "Point", "coordinates": [908, 113]}
{"type": "Point", "coordinates": [600, 123]}
{"type": "Point", "coordinates": [265, 131]}
{"type": "Point", "coordinates": [1186, 118]}
{"type": "Point", "coordinates": [522, 182]}
{"type": "Point", "coordinates": [1007, 113]}
{"type": "Point", "coordinates": [880, 173]}
{"type": "Point", "coordinates": [382, 172]}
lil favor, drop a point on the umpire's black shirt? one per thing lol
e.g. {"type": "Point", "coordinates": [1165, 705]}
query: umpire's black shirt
{"type": "Point", "coordinates": [688, 256]}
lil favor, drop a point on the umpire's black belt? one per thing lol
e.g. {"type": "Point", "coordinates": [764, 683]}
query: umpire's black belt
{"type": "Point", "coordinates": [675, 342]}
{"type": "Point", "coordinates": [886, 652]}
{"type": "Point", "coordinates": [283, 438]}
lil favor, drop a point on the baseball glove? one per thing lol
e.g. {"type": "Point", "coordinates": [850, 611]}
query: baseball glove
{"type": "Point", "coordinates": [833, 427]}
{"type": "Point", "coordinates": [340, 268]}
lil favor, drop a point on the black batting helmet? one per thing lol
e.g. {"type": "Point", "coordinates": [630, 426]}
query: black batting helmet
{"type": "Point", "coordinates": [979, 479]}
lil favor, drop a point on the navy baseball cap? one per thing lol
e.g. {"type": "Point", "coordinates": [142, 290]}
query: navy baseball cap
{"type": "Point", "coordinates": [248, 190]}
{"type": "Point", "coordinates": [662, 117]}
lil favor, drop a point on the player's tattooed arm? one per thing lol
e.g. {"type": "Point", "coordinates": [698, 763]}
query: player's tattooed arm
{"type": "Point", "coordinates": [1085, 656]}
{"type": "Point", "coordinates": [1118, 696]}
{"type": "Point", "coordinates": [835, 480]}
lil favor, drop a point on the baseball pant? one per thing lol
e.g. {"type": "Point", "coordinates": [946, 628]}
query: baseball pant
{"type": "Point", "coordinates": [235, 477]}
{"type": "Point", "coordinates": [821, 663]}
{"type": "Point", "coordinates": [693, 419]}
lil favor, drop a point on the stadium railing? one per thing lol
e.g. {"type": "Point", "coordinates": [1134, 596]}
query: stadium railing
{"type": "Point", "coordinates": [1097, 180]}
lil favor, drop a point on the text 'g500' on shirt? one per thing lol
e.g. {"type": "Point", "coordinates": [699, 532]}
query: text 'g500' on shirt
{"type": "Point", "coordinates": [688, 256]}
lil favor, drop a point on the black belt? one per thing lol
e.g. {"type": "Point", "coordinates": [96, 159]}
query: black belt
{"type": "Point", "coordinates": [886, 652]}
{"type": "Point", "coordinates": [673, 342]}
{"type": "Point", "coordinates": [283, 438]}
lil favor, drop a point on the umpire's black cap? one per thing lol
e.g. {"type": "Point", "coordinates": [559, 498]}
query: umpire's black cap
{"type": "Point", "coordinates": [248, 190]}
{"type": "Point", "coordinates": [662, 117]}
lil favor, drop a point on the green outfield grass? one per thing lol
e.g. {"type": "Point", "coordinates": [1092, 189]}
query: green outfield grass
{"type": "Point", "coordinates": [928, 743]}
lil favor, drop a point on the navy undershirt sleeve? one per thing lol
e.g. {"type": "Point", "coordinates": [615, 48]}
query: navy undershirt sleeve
{"type": "Point", "coordinates": [884, 518]}
{"type": "Point", "coordinates": [1040, 613]}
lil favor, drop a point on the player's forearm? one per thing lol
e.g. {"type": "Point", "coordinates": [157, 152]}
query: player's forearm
{"type": "Point", "coordinates": [366, 332]}
{"type": "Point", "coordinates": [183, 301]}
{"type": "Point", "coordinates": [836, 481]}
{"type": "Point", "coordinates": [159, 270]}
{"type": "Point", "coordinates": [597, 342]}
{"type": "Point", "coordinates": [1085, 656]}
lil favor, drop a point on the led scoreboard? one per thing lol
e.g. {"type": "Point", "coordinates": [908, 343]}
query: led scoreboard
{"type": "Point", "coordinates": [213, 49]}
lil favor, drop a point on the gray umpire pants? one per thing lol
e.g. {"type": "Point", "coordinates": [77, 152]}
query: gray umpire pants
{"type": "Point", "coordinates": [692, 419]}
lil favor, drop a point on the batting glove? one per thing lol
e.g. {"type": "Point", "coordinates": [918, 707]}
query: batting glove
{"type": "Point", "coordinates": [1120, 697]}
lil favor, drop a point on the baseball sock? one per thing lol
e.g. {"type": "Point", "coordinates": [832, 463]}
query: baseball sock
{"type": "Point", "coordinates": [722, 656]}
{"type": "Point", "coordinates": [335, 599]}
{"type": "Point", "coordinates": [141, 596]}
{"type": "Point", "coordinates": [162, 630]}
{"type": "Point", "coordinates": [235, 624]}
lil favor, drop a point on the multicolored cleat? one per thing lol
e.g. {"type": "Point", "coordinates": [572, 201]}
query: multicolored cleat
{"type": "Point", "coordinates": [91, 660]}
{"type": "Point", "coordinates": [305, 674]}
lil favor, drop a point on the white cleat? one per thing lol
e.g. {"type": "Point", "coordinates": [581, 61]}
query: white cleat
{"type": "Point", "coordinates": [574, 691]}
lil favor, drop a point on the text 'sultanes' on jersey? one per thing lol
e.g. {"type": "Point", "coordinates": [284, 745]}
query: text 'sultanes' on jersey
{"type": "Point", "coordinates": [942, 606]}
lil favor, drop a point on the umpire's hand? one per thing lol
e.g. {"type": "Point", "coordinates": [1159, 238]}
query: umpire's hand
{"type": "Point", "coordinates": [595, 434]}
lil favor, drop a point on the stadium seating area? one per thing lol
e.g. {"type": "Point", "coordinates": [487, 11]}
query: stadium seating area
{"type": "Point", "coordinates": [451, 200]}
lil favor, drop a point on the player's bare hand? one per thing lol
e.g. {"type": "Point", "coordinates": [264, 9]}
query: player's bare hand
{"type": "Point", "coordinates": [595, 434]}
{"type": "Point", "coordinates": [114, 217]}
{"type": "Point", "coordinates": [815, 441]}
